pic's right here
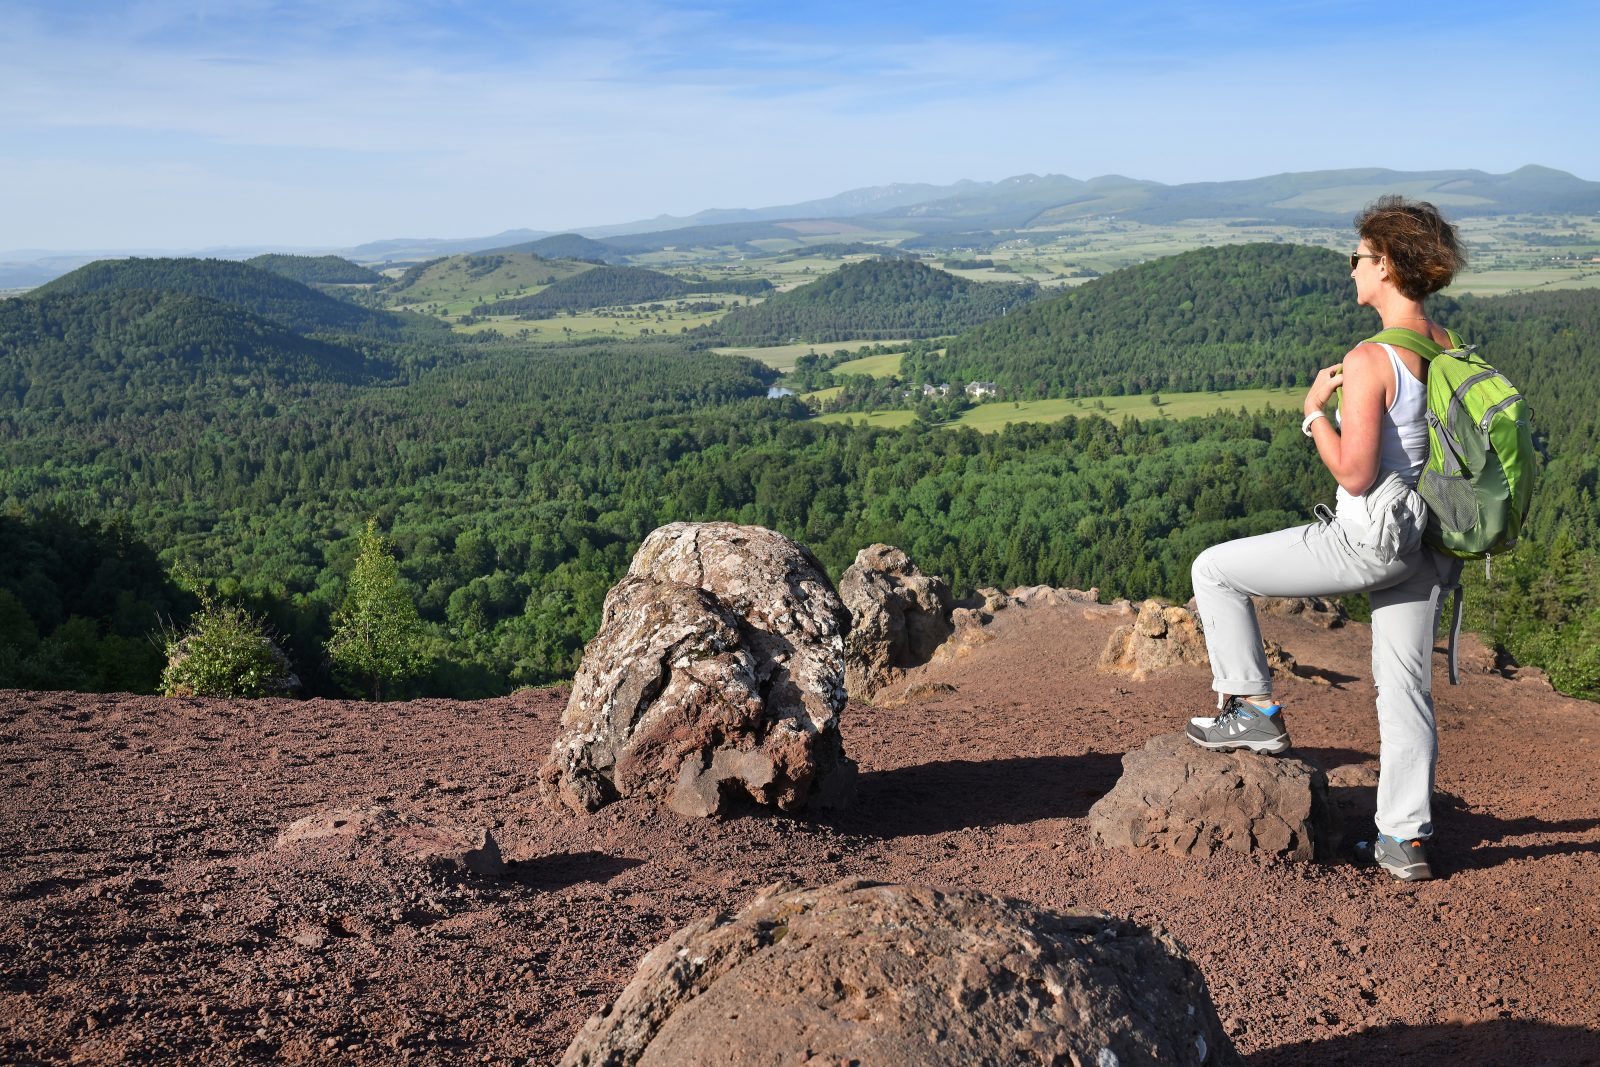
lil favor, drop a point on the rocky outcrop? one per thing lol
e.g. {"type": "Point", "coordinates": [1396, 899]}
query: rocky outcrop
{"type": "Point", "coordinates": [1050, 596]}
{"type": "Point", "coordinates": [1175, 796]}
{"type": "Point", "coordinates": [898, 617]}
{"type": "Point", "coordinates": [381, 836]}
{"type": "Point", "coordinates": [717, 677]}
{"type": "Point", "coordinates": [1161, 636]}
{"type": "Point", "coordinates": [1320, 611]}
{"type": "Point", "coordinates": [1282, 663]}
{"type": "Point", "coordinates": [885, 974]}
{"type": "Point", "coordinates": [970, 633]}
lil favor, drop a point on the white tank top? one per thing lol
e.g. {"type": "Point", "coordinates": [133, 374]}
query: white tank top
{"type": "Point", "coordinates": [1403, 433]}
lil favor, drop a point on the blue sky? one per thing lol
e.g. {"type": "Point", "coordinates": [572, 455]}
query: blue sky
{"type": "Point", "coordinates": [189, 125]}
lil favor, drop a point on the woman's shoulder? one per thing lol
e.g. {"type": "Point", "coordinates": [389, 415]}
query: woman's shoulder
{"type": "Point", "coordinates": [1368, 355]}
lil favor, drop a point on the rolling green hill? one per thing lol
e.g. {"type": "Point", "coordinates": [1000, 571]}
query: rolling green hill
{"type": "Point", "coordinates": [563, 246]}
{"type": "Point", "coordinates": [596, 287]}
{"type": "Point", "coordinates": [459, 283]}
{"type": "Point", "coordinates": [135, 351]}
{"type": "Point", "coordinates": [311, 270]}
{"type": "Point", "coordinates": [1217, 318]}
{"type": "Point", "coordinates": [271, 296]}
{"type": "Point", "coordinates": [873, 299]}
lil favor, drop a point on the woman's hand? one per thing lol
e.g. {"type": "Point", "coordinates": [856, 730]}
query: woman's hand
{"type": "Point", "coordinates": [1322, 386]}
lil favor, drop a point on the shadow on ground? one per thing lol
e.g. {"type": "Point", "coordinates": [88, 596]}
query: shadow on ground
{"type": "Point", "coordinates": [931, 798]}
{"type": "Point", "coordinates": [1494, 1043]}
{"type": "Point", "coordinates": [561, 869]}
{"type": "Point", "coordinates": [1330, 758]}
{"type": "Point", "coordinates": [1465, 839]}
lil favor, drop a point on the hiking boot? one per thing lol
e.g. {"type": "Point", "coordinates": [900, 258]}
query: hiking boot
{"type": "Point", "coordinates": [1241, 725]}
{"type": "Point", "coordinates": [1406, 860]}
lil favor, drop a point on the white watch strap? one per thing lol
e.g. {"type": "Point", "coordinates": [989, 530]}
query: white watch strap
{"type": "Point", "coordinates": [1305, 425]}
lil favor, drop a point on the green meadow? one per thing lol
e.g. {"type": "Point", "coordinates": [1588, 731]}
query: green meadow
{"type": "Point", "coordinates": [890, 419]}
{"type": "Point", "coordinates": [882, 366]}
{"type": "Point", "coordinates": [637, 321]}
{"type": "Point", "coordinates": [994, 416]}
{"type": "Point", "coordinates": [784, 357]}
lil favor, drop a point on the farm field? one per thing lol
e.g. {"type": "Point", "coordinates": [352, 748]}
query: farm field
{"type": "Point", "coordinates": [635, 321]}
{"type": "Point", "coordinates": [883, 366]}
{"type": "Point", "coordinates": [992, 417]}
{"type": "Point", "coordinates": [784, 357]}
{"type": "Point", "coordinates": [1500, 282]}
{"type": "Point", "coordinates": [888, 419]}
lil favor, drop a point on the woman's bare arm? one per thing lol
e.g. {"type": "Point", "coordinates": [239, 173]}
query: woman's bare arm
{"type": "Point", "coordinates": [1350, 452]}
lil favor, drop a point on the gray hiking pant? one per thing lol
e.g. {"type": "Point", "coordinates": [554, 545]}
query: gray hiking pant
{"type": "Point", "coordinates": [1373, 545]}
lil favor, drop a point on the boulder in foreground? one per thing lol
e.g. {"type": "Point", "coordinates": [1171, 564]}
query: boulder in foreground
{"type": "Point", "coordinates": [899, 616]}
{"type": "Point", "coordinates": [1175, 796]}
{"type": "Point", "coordinates": [717, 676]}
{"type": "Point", "coordinates": [885, 974]}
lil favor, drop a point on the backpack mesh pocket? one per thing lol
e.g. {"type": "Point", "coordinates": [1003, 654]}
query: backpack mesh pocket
{"type": "Point", "coordinates": [1451, 499]}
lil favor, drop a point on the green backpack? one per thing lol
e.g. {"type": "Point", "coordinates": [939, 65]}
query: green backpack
{"type": "Point", "coordinates": [1481, 466]}
{"type": "Point", "coordinates": [1481, 461]}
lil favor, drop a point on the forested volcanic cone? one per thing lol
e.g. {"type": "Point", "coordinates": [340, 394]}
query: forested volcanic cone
{"type": "Point", "coordinates": [437, 911]}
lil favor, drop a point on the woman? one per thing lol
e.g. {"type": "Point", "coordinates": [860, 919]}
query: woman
{"type": "Point", "coordinates": [1375, 446]}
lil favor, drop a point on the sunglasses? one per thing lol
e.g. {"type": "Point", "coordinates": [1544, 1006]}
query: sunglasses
{"type": "Point", "coordinates": [1357, 257]}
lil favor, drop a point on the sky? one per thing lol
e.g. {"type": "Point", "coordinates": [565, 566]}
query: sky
{"type": "Point", "coordinates": [289, 124]}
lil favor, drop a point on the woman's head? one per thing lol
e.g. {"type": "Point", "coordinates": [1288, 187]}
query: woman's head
{"type": "Point", "coordinates": [1423, 251]}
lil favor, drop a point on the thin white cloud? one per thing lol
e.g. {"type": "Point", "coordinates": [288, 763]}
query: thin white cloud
{"type": "Point", "coordinates": [371, 122]}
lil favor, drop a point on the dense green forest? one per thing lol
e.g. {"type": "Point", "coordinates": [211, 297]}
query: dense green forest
{"type": "Point", "coordinates": [1215, 318]}
{"type": "Point", "coordinates": [872, 299]}
{"type": "Point", "coordinates": [316, 270]}
{"type": "Point", "coordinates": [78, 604]}
{"type": "Point", "coordinates": [517, 480]}
{"type": "Point", "coordinates": [138, 351]}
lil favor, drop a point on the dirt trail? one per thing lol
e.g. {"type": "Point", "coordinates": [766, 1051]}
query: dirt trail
{"type": "Point", "coordinates": [148, 914]}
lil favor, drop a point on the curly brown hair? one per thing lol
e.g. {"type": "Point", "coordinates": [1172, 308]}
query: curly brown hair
{"type": "Point", "coordinates": [1424, 251]}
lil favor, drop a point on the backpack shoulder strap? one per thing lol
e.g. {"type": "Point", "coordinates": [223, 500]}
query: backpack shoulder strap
{"type": "Point", "coordinates": [1424, 346]}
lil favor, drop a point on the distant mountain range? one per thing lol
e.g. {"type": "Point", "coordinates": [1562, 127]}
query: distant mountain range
{"type": "Point", "coordinates": [976, 210]}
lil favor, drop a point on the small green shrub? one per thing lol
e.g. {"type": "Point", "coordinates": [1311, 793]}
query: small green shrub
{"type": "Point", "coordinates": [225, 652]}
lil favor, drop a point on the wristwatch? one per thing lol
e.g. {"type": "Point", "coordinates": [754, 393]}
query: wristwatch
{"type": "Point", "coordinates": [1305, 424]}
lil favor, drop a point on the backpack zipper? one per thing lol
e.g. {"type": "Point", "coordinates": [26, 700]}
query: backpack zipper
{"type": "Point", "coordinates": [1497, 409]}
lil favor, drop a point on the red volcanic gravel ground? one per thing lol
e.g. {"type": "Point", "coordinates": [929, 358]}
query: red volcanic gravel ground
{"type": "Point", "coordinates": [148, 913]}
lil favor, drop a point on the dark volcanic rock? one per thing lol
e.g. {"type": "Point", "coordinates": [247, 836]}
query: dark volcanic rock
{"type": "Point", "coordinates": [898, 617]}
{"type": "Point", "coordinates": [884, 974]}
{"type": "Point", "coordinates": [717, 674]}
{"type": "Point", "coordinates": [1175, 796]}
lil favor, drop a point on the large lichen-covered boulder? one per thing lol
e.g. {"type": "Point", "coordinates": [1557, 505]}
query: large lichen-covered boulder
{"type": "Point", "coordinates": [1175, 796]}
{"type": "Point", "coordinates": [898, 617]}
{"type": "Point", "coordinates": [717, 676]}
{"type": "Point", "coordinates": [886, 974]}
{"type": "Point", "coordinates": [1161, 636]}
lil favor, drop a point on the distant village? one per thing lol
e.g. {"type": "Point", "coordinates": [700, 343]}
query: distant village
{"type": "Point", "coordinates": [976, 390]}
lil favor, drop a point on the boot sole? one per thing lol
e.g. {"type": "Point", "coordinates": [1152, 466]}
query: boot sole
{"type": "Point", "coordinates": [1414, 872]}
{"type": "Point", "coordinates": [1265, 748]}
